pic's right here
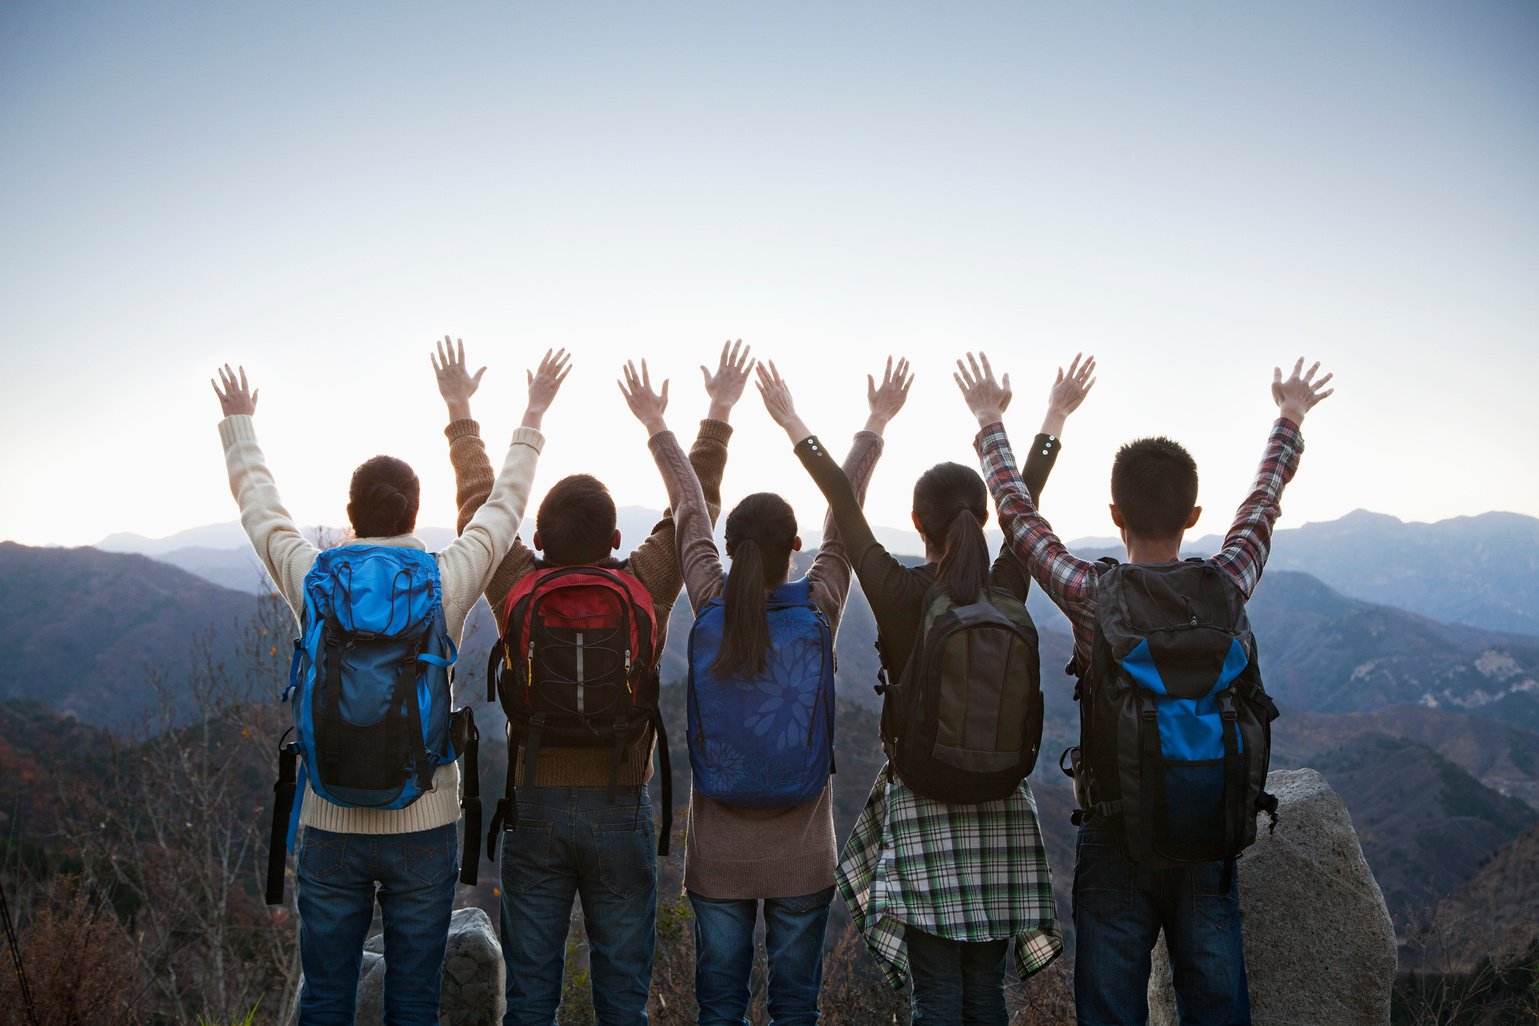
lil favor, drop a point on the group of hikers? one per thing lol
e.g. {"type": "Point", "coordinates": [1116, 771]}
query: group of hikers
{"type": "Point", "coordinates": [945, 867]}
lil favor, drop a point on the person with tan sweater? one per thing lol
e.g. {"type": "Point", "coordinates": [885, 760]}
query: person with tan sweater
{"type": "Point", "coordinates": [564, 836]}
{"type": "Point", "coordinates": [736, 857]}
{"type": "Point", "coordinates": [349, 856]}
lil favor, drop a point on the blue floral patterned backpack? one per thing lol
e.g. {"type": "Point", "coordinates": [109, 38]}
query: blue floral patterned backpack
{"type": "Point", "coordinates": [767, 741]}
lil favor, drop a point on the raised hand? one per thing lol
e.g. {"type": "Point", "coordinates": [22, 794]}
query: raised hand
{"type": "Point", "coordinates": [1068, 391]}
{"type": "Point", "coordinates": [777, 400]}
{"type": "Point", "coordinates": [544, 382]}
{"type": "Point", "coordinates": [885, 401]}
{"type": "Point", "coordinates": [986, 398]}
{"type": "Point", "coordinates": [725, 387]}
{"type": "Point", "coordinates": [236, 396]}
{"type": "Point", "coordinates": [455, 383]}
{"type": "Point", "coordinates": [647, 405]}
{"type": "Point", "coordinates": [1298, 395]}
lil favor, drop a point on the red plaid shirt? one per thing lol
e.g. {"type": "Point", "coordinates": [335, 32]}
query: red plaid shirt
{"type": "Point", "coordinates": [1071, 581]}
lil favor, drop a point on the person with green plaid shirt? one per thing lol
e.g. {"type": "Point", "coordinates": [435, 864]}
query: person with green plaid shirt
{"type": "Point", "coordinates": [938, 890]}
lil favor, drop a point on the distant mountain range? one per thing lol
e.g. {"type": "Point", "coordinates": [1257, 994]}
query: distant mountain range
{"type": "Point", "coordinates": [1428, 727]}
{"type": "Point", "coordinates": [1480, 571]}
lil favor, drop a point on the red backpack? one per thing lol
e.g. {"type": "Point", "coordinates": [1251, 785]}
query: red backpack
{"type": "Point", "coordinates": [575, 666]}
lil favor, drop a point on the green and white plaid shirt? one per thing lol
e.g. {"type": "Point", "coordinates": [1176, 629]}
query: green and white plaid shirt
{"type": "Point", "coordinates": [965, 872]}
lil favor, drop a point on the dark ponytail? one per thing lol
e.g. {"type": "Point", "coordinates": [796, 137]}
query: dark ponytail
{"type": "Point", "coordinates": [760, 532]}
{"type": "Point", "coordinates": [952, 506]}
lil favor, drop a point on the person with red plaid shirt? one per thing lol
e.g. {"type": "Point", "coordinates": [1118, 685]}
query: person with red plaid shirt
{"type": "Point", "coordinates": [1120, 908]}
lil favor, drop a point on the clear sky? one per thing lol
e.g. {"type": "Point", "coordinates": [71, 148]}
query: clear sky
{"type": "Point", "coordinates": [1195, 192]}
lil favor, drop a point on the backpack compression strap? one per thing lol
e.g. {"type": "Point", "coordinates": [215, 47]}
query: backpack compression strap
{"type": "Point", "coordinates": [470, 804]}
{"type": "Point", "coordinates": [666, 767]}
{"type": "Point", "coordinates": [283, 804]}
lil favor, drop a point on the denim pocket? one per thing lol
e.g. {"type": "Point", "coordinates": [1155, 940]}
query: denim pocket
{"type": "Point", "coordinates": [1103, 884]}
{"type": "Point", "coordinates": [807, 902]}
{"type": "Point", "coordinates": [1215, 903]}
{"type": "Point", "coordinates": [526, 854]}
{"type": "Point", "coordinates": [321, 853]}
{"type": "Point", "coordinates": [430, 855]}
{"type": "Point", "coordinates": [625, 859]}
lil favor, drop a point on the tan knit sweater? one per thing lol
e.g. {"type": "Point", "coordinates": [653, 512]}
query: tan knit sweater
{"type": "Point", "coordinates": [654, 562]}
{"type": "Point", "coordinates": [465, 567]}
{"type": "Point", "coordinates": [733, 852]}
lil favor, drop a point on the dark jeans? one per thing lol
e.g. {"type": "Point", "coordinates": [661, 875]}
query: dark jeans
{"type": "Point", "coordinates": [1119, 911]}
{"type": "Point", "coordinates": [793, 941]}
{"type": "Point", "coordinates": [956, 982]}
{"type": "Point", "coordinates": [571, 841]}
{"type": "Point", "coordinates": [340, 875]}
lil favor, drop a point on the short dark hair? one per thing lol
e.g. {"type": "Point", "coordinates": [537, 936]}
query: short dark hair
{"type": "Point", "coordinates": [576, 521]}
{"type": "Point", "coordinates": [1154, 484]}
{"type": "Point", "coordinates": [382, 499]}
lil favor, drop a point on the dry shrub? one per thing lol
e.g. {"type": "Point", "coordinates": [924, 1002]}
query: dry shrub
{"type": "Point", "coordinates": [79, 963]}
{"type": "Point", "coordinates": [1047, 999]}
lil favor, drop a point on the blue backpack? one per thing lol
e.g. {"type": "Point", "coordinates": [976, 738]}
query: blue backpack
{"type": "Point", "coordinates": [765, 742]}
{"type": "Point", "coordinates": [370, 686]}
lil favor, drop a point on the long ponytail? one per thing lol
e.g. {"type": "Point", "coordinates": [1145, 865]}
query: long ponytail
{"type": "Point", "coordinates": [951, 503]}
{"type": "Point", "coordinates": [760, 532]}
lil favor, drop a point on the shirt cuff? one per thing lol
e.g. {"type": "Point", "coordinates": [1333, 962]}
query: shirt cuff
{"type": "Point", "coordinates": [529, 436]}
{"type": "Point", "coordinates": [237, 428]}
{"type": "Point", "coordinates": [466, 428]}
{"type": "Point", "coordinates": [715, 431]}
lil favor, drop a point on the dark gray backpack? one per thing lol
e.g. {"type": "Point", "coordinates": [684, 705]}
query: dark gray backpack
{"type": "Point", "coordinates": [964, 721]}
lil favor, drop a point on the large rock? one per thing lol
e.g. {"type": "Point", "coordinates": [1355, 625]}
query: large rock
{"type": "Point", "coordinates": [473, 976]}
{"type": "Point", "coordinates": [1319, 944]}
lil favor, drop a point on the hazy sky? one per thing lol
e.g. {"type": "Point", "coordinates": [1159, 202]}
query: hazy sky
{"type": "Point", "coordinates": [1194, 192]}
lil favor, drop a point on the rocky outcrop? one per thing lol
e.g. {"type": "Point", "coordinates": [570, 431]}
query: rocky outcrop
{"type": "Point", "coordinates": [473, 976]}
{"type": "Point", "coordinates": [1319, 944]}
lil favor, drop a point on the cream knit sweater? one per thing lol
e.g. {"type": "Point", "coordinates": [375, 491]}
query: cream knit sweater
{"type": "Point", "coordinates": [465, 568]}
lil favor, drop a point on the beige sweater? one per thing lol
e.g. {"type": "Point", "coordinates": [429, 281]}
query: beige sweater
{"type": "Point", "coordinates": [465, 568]}
{"type": "Point", "coordinates": [733, 852]}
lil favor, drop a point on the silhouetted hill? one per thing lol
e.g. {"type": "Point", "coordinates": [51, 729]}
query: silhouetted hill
{"type": "Point", "coordinates": [1495, 913]}
{"type": "Point", "coordinates": [1480, 571]}
{"type": "Point", "coordinates": [1324, 652]}
{"type": "Point", "coordinates": [1425, 825]}
{"type": "Point", "coordinates": [1502, 757]}
{"type": "Point", "coordinates": [82, 629]}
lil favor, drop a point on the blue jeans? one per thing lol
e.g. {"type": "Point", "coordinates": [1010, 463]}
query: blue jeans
{"type": "Point", "coordinates": [340, 875]}
{"type": "Point", "coordinates": [570, 841]}
{"type": "Point", "coordinates": [793, 940]}
{"type": "Point", "coordinates": [1119, 911]}
{"type": "Point", "coordinates": [957, 981]}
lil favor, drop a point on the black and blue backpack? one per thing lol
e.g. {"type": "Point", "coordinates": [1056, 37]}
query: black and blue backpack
{"type": "Point", "coordinates": [1175, 726]}
{"type": "Point", "coordinates": [370, 690]}
{"type": "Point", "coordinates": [766, 741]}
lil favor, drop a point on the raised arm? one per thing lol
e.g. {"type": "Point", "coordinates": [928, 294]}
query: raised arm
{"type": "Point", "coordinates": [830, 570]}
{"type": "Point", "coordinates": [1067, 393]}
{"type": "Point", "coordinates": [472, 558]}
{"type": "Point", "coordinates": [283, 550]}
{"type": "Point", "coordinates": [891, 588]}
{"type": "Point", "coordinates": [655, 561]}
{"type": "Point", "coordinates": [1068, 580]}
{"type": "Point", "coordinates": [698, 559]}
{"type": "Point", "coordinates": [1249, 540]}
{"type": "Point", "coordinates": [473, 474]}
